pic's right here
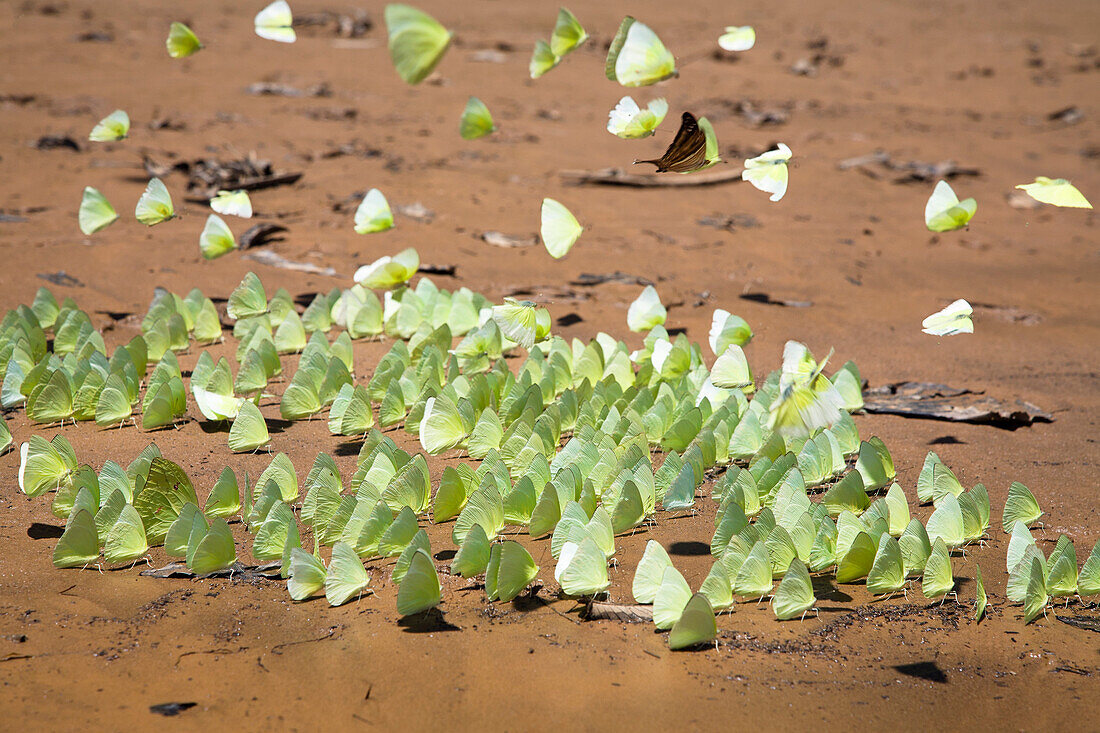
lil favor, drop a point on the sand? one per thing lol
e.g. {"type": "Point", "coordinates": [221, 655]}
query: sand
{"type": "Point", "coordinates": [974, 83]}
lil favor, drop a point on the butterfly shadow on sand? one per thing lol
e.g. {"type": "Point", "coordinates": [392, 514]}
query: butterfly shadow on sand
{"type": "Point", "coordinates": [427, 622]}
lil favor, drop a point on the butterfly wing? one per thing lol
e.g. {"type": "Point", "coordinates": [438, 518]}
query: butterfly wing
{"type": "Point", "coordinates": [688, 151]}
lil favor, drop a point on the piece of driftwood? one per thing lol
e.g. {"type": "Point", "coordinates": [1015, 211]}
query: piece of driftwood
{"type": "Point", "coordinates": [340, 24]}
{"type": "Point", "coordinates": [165, 122]}
{"type": "Point", "coordinates": [207, 176]}
{"type": "Point", "coordinates": [730, 223]}
{"type": "Point", "coordinates": [627, 613]}
{"type": "Point", "coordinates": [619, 177]}
{"type": "Point", "coordinates": [237, 570]}
{"type": "Point", "coordinates": [1008, 313]}
{"type": "Point", "coordinates": [941, 402]}
{"type": "Point", "coordinates": [508, 241]}
{"type": "Point", "coordinates": [1088, 623]}
{"type": "Point", "coordinates": [910, 171]}
{"type": "Point", "coordinates": [1020, 200]}
{"type": "Point", "coordinates": [275, 89]}
{"type": "Point", "coordinates": [588, 279]}
{"type": "Point", "coordinates": [260, 234]}
{"type": "Point", "coordinates": [545, 293]}
{"type": "Point", "coordinates": [272, 259]}
{"type": "Point", "coordinates": [416, 211]}
{"type": "Point", "coordinates": [94, 37]}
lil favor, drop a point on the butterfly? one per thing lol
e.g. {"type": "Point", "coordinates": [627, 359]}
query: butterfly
{"type": "Point", "coordinates": [688, 151]}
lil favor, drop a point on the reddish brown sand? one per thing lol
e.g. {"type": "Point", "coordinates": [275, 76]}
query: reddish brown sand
{"type": "Point", "coordinates": [972, 82]}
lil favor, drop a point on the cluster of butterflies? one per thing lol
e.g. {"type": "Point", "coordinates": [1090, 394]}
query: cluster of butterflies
{"type": "Point", "coordinates": [792, 437]}
{"type": "Point", "coordinates": [594, 489]}
{"type": "Point", "coordinates": [55, 362]}
{"type": "Point", "coordinates": [789, 435]}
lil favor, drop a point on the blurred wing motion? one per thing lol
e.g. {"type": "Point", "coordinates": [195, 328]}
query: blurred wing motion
{"type": "Point", "coordinates": [807, 399]}
{"type": "Point", "coordinates": [417, 42]}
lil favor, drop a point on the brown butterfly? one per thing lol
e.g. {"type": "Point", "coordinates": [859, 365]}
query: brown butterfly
{"type": "Point", "coordinates": [688, 151]}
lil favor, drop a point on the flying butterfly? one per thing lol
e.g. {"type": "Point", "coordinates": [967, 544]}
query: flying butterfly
{"type": "Point", "coordinates": [688, 151]}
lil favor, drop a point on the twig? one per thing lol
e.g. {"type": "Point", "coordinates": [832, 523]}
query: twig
{"type": "Point", "coordinates": [619, 177]}
{"type": "Point", "coordinates": [209, 651]}
{"type": "Point", "coordinates": [272, 259]}
{"type": "Point", "coordinates": [631, 614]}
{"type": "Point", "coordinates": [331, 633]}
